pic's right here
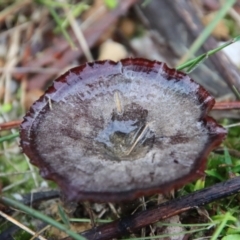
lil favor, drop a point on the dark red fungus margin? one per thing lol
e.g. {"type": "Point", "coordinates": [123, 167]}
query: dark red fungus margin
{"type": "Point", "coordinates": [108, 131]}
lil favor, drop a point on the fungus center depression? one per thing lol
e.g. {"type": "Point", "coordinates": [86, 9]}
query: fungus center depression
{"type": "Point", "coordinates": [128, 135]}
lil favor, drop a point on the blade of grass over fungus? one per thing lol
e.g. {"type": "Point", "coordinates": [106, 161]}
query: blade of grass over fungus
{"type": "Point", "coordinates": [9, 137]}
{"type": "Point", "coordinates": [39, 215]}
{"type": "Point", "coordinates": [191, 64]}
{"type": "Point", "coordinates": [208, 30]}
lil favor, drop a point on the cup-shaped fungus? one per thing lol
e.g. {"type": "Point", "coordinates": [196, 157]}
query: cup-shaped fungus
{"type": "Point", "coordinates": [108, 131]}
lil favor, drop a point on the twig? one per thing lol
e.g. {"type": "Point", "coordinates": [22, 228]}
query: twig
{"type": "Point", "coordinates": [79, 34]}
{"type": "Point", "coordinates": [31, 70]}
{"type": "Point", "coordinates": [90, 213]}
{"type": "Point", "coordinates": [232, 125]}
{"type": "Point", "coordinates": [226, 105]}
{"type": "Point", "coordinates": [232, 152]}
{"type": "Point", "coordinates": [136, 221]}
{"type": "Point", "coordinates": [13, 9]}
{"type": "Point", "coordinates": [11, 62]}
{"type": "Point", "coordinates": [9, 125]}
{"type": "Point", "coordinates": [92, 34]}
{"type": "Point", "coordinates": [235, 15]}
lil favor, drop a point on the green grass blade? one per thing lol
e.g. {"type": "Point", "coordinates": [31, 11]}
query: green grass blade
{"type": "Point", "coordinates": [111, 4]}
{"type": "Point", "coordinates": [190, 64]}
{"type": "Point", "coordinates": [196, 63]}
{"type": "Point", "coordinates": [228, 160]}
{"type": "Point", "coordinates": [218, 231]}
{"type": "Point", "coordinates": [9, 137]}
{"type": "Point", "coordinates": [208, 30]}
{"type": "Point", "coordinates": [76, 12]}
{"type": "Point", "coordinates": [63, 30]}
{"type": "Point", "coordinates": [237, 93]}
{"type": "Point", "coordinates": [63, 216]}
{"type": "Point", "coordinates": [53, 3]}
{"type": "Point", "coordinates": [87, 220]}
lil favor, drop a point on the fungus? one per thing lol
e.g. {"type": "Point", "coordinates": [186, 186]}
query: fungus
{"type": "Point", "coordinates": [114, 131]}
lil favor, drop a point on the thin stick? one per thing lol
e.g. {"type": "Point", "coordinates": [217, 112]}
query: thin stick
{"type": "Point", "coordinates": [10, 10]}
{"type": "Point", "coordinates": [33, 173]}
{"type": "Point", "coordinates": [90, 213]}
{"type": "Point", "coordinates": [232, 125]}
{"type": "Point", "coordinates": [10, 125]}
{"type": "Point", "coordinates": [31, 70]}
{"type": "Point", "coordinates": [14, 184]}
{"type": "Point", "coordinates": [114, 210]}
{"type": "Point", "coordinates": [41, 231]}
{"type": "Point", "coordinates": [10, 219]}
{"type": "Point", "coordinates": [226, 105]}
{"type": "Point", "coordinates": [14, 173]}
{"type": "Point", "coordinates": [137, 140]}
{"type": "Point", "coordinates": [11, 62]}
{"type": "Point", "coordinates": [79, 34]}
{"type": "Point", "coordinates": [118, 102]}
{"type": "Point", "coordinates": [165, 210]}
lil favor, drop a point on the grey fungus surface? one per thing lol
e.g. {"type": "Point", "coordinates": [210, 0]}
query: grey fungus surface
{"type": "Point", "coordinates": [114, 131]}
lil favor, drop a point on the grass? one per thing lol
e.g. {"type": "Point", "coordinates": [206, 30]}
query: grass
{"type": "Point", "coordinates": [192, 64]}
{"type": "Point", "coordinates": [39, 215]}
{"type": "Point", "coordinates": [207, 31]}
{"type": "Point", "coordinates": [9, 137]}
{"type": "Point", "coordinates": [19, 177]}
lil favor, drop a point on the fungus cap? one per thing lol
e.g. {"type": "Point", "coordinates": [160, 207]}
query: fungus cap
{"type": "Point", "coordinates": [113, 131]}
